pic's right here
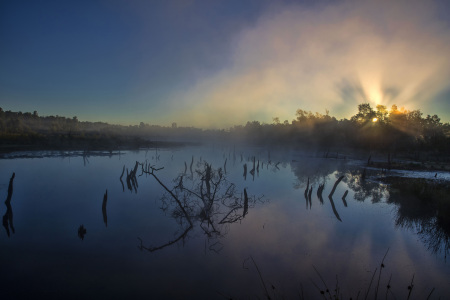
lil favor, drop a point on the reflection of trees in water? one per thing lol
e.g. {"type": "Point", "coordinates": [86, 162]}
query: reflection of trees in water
{"type": "Point", "coordinates": [205, 199]}
{"type": "Point", "coordinates": [410, 210]}
{"type": "Point", "coordinates": [312, 171]}
{"type": "Point", "coordinates": [435, 236]}
{"type": "Point", "coordinates": [423, 215]}
{"type": "Point", "coordinates": [363, 188]}
{"type": "Point", "coordinates": [428, 217]}
{"type": "Point", "coordinates": [317, 172]}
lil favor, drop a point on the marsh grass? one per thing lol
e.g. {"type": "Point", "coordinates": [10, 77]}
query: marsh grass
{"type": "Point", "coordinates": [324, 291]}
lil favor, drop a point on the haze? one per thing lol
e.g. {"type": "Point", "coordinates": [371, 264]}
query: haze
{"type": "Point", "coordinates": [222, 63]}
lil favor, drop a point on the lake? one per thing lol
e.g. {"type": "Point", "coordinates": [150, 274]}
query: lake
{"type": "Point", "coordinates": [212, 233]}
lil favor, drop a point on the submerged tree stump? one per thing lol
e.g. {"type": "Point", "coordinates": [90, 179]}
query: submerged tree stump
{"type": "Point", "coordinates": [335, 185]}
{"type": "Point", "coordinates": [105, 217]}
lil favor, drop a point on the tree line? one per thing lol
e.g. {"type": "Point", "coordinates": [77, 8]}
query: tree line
{"type": "Point", "coordinates": [29, 129]}
{"type": "Point", "coordinates": [370, 128]}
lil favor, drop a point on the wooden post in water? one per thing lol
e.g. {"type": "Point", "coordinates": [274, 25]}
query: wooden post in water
{"type": "Point", "coordinates": [309, 197]}
{"type": "Point", "coordinates": [8, 217]}
{"type": "Point", "coordinates": [319, 192]}
{"type": "Point", "coordinates": [343, 198]}
{"type": "Point", "coordinates": [105, 217]}
{"type": "Point", "coordinates": [245, 203]}
{"type": "Point", "coordinates": [307, 188]}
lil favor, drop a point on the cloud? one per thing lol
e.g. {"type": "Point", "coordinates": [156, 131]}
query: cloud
{"type": "Point", "coordinates": [327, 57]}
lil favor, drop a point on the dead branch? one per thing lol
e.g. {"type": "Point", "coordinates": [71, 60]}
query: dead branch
{"type": "Point", "coordinates": [335, 185]}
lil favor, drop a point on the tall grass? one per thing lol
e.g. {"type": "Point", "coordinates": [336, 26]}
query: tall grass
{"type": "Point", "coordinates": [325, 292]}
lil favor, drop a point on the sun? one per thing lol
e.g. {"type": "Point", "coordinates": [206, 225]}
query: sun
{"type": "Point", "coordinates": [375, 120]}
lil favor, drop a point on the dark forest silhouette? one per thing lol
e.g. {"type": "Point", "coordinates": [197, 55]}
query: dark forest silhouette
{"type": "Point", "coordinates": [370, 129]}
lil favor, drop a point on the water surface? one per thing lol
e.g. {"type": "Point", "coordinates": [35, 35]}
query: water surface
{"type": "Point", "coordinates": [140, 242]}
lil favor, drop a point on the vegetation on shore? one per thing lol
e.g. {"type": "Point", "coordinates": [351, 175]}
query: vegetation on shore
{"type": "Point", "coordinates": [29, 131]}
{"type": "Point", "coordinates": [380, 129]}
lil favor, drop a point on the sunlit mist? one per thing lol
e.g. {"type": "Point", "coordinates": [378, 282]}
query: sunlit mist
{"type": "Point", "coordinates": [329, 57]}
{"type": "Point", "coordinates": [216, 64]}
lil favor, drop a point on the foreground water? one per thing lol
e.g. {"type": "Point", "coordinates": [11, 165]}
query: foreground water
{"type": "Point", "coordinates": [142, 242]}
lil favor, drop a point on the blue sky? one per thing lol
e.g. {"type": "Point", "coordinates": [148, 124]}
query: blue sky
{"type": "Point", "coordinates": [221, 63]}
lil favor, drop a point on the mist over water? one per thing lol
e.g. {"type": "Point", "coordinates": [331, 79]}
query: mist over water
{"type": "Point", "coordinates": [139, 241]}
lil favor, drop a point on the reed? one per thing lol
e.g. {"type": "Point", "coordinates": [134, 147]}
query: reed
{"type": "Point", "coordinates": [379, 274]}
{"type": "Point", "coordinates": [324, 291]}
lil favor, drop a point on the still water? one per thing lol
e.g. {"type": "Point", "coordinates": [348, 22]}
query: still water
{"type": "Point", "coordinates": [213, 233]}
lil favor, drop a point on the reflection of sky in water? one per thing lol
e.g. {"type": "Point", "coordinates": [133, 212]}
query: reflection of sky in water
{"type": "Point", "coordinates": [53, 196]}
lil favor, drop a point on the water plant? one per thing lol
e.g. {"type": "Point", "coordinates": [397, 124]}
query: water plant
{"type": "Point", "coordinates": [335, 291]}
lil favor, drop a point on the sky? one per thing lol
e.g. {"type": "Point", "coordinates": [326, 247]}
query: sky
{"type": "Point", "coordinates": [219, 63]}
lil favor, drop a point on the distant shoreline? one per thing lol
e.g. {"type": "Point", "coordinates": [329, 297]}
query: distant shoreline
{"type": "Point", "coordinates": [107, 148]}
{"type": "Point", "coordinates": [87, 146]}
